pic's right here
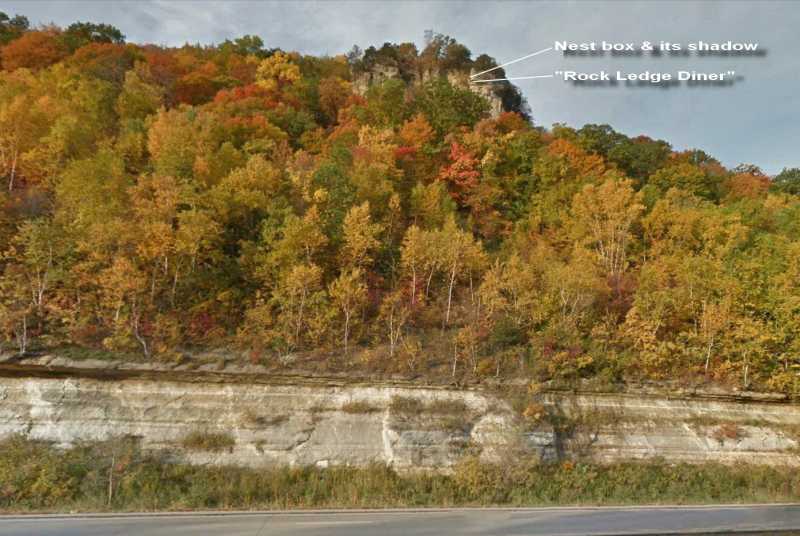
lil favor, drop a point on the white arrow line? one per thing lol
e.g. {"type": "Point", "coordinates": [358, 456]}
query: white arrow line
{"type": "Point", "coordinates": [512, 61]}
{"type": "Point", "coordinates": [513, 78]}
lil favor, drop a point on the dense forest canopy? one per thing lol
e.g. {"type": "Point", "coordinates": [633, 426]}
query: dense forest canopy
{"type": "Point", "coordinates": [162, 202]}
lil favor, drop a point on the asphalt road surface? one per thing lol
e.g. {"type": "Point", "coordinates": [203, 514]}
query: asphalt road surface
{"type": "Point", "coordinates": [772, 519]}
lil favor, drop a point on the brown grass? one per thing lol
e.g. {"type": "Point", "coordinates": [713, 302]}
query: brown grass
{"type": "Point", "coordinates": [730, 431]}
{"type": "Point", "coordinates": [359, 406]}
{"type": "Point", "coordinates": [208, 441]}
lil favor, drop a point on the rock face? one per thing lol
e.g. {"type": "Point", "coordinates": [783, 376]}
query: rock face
{"type": "Point", "coordinates": [377, 75]}
{"type": "Point", "coordinates": [271, 425]}
{"type": "Point", "coordinates": [381, 73]}
{"type": "Point", "coordinates": [405, 427]}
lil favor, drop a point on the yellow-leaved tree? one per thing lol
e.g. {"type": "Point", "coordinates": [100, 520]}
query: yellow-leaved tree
{"type": "Point", "coordinates": [277, 72]}
{"type": "Point", "coordinates": [603, 217]}
{"type": "Point", "coordinates": [348, 294]}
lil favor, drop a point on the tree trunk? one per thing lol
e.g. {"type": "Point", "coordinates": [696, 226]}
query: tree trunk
{"type": "Point", "coordinates": [391, 334]}
{"type": "Point", "coordinates": [13, 173]}
{"type": "Point", "coordinates": [708, 354]}
{"type": "Point", "coordinates": [746, 371]}
{"type": "Point", "coordinates": [139, 337]}
{"type": "Point", "coordinates": [299, 322]}
{"type": "Point", "coordinates": [346, 330]}
{"type": "Point", "coordinates": [450, 295]}
{"type": "Point", "coordinates": [22, 336]}
{"type": "Point", "coordinates": [174, 287]}
{"type": "Point", "coordinates": [153, 283]}
{"type": "Point", "coordinates": [111, 480]}
{"type": "Point", "coordinates": [413, 286]}
{"type": "Point", "coordinates": [428, 283]}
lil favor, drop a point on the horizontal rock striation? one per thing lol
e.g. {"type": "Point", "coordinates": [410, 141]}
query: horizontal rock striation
{"type": "Point", "coordinates": [409, 428]}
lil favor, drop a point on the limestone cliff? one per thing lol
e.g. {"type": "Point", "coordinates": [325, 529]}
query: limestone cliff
{"type": "Point", "coordinates": [427, 427]}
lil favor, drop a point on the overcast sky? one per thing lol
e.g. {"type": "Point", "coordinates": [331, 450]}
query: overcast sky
{"type": "Point", "coordinates": [754, 121]}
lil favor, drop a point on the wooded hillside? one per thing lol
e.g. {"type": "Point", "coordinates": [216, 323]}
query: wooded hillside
{"type": "Point", "coordinates": [158, 201]}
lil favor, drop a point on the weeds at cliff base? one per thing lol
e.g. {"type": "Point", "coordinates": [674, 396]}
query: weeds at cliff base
{"type": "Point", "coordinates": [37, 476]}
{"type": "Point", "coordinates": [208, 441]}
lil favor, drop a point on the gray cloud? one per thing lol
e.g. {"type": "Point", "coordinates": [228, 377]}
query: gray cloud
{"type": "Point", "coordinates": [755, 121]}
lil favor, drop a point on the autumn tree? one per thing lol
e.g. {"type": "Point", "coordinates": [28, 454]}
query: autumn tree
{"type": "Point", "coordinates": [385, 105]}
{"type": "Point", "coordinates": [39, 251]}
{"type": "Point", "coordinates": [603, 218]}
{"type": "Point", "coordinates": [348, 294]}
{"type": "Point", "coordinates": [685, 176]}
{"type": "Point", "coordinates": [360, 237]}
{"type": "Point", "coordinates": [748, 185]}
{"type": "Point", "coordinates": [138, 100]}
{"type": "Point", "coordinates": [463, 173]}
{"type": "Point", "coordinates": [511, 291]}
{"type": "Point", "coordinates": [299, 241]}
{"type": "Point", "coordinates": [460, 258]}
{"type": "Point", "coordinates": [178, 138]}
{"type": "Point", "coordinates": [415, 259]}
{"type": "Point", "coordinates": [715, 320]}
{"type": "Point", "coordinates": [299, 299]}
{"type": "Point", "coordinates": [416, 132]}
{"type": "Point", "coordinates": [395, 313]}
{"type": "Point", "coordinates": [16, 309]}
{"type": "Point", "coordinates": [333, 95]}
{"type": "Point", "coordinates": [125, 288]}
{"type": "Point", "coordinates": [23, 123]}
{"type": "Point", "coordinates": [562, 169]}
{"type": "Point", "coordinates": [34, 50]}
{"type": "Point", "coordinates": [105, 61]}
{"type": "Point", "coordinates": [374, 175]}
{"type": "Point", "coordinates": [277, 72]}
{"type": "Point", "coordinates": [431, 205]}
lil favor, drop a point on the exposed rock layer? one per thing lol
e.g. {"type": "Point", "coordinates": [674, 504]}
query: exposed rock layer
{"type": "Point", "coordinates": [403, 426]}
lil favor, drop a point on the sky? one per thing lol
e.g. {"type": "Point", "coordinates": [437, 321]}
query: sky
{"type": "Point", "coordinates": [756, 120]}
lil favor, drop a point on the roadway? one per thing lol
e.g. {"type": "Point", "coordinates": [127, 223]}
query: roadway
{"type": "Point", "coordinates": [750, 519]}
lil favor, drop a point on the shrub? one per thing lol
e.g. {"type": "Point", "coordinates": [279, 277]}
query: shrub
{"type": "Point", "coordinates": [251, 418]}
{"type": "Point", "coordinates": [406, 405]}
{"type": "Point", "coordinates": [729, 430]}
{"type": "Point", "coordinates": [210, 441]}
{"type": "Point", "coordinates": [534, 413]}
{"type": "Point", "coordinates": [359, 406]}
{"type": "Point", "coordinates": [443, 414]}
{"type": "Point", "coordinates": [447, 407]}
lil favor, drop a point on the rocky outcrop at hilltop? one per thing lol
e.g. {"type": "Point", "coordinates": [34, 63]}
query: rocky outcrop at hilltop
{"type": "Point", "coordinates": [380, 73]}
